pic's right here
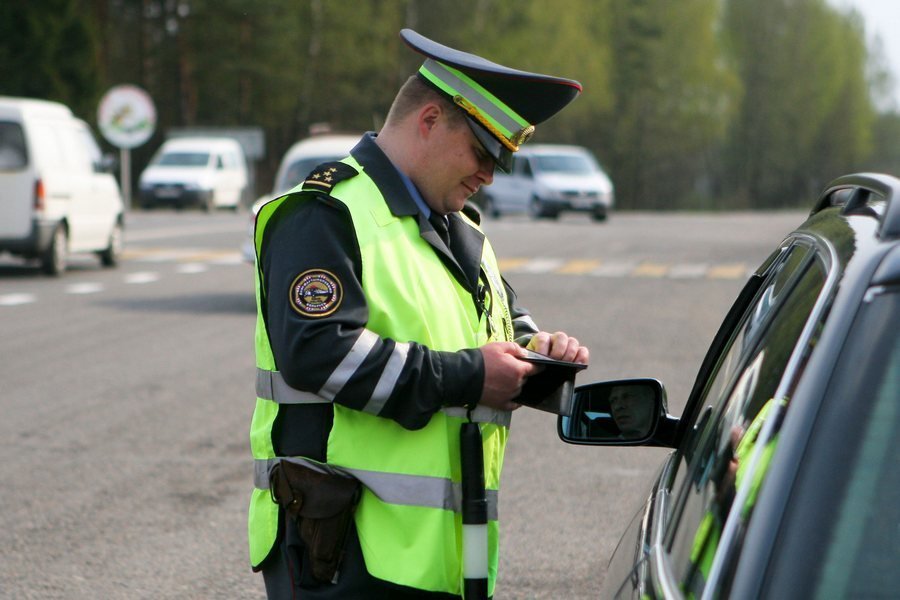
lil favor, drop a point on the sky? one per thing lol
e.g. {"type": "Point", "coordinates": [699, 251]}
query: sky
{"type": "Point", "coordinates": [882, 19]}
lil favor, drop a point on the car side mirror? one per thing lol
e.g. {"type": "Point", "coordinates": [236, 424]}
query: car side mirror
{"type": "Point", "coordinates": [625, 412]}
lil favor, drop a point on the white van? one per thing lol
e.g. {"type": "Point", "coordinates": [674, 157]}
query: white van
{"type": "Point", "coordinates": [56, 193]}
{"type": "Point", "coordinates": [209, 172]}
{"type": "Point", "coordinates": [547, 179]}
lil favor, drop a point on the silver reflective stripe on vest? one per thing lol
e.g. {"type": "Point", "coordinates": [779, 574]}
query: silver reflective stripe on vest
{"type": "Point", "coordinates": [391, 488]}
{"type": "Point", "coordinates": [388, 379]}
{"type": "Point", "coordinates": [344, 371]}
{"type": "Point", "coordinates": [481, 414]}
{"type": "Point", "coordinates": [270, 385]}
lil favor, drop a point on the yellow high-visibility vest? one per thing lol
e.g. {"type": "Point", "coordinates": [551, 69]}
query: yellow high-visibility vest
{"type": "Point", "coordinates": [408, 519]}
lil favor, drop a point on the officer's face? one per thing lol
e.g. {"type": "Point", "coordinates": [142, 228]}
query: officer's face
{"type": "Point", "coordinates": [457, 165]}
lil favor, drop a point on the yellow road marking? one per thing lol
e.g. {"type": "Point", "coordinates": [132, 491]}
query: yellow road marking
{"type": "Point", "coordinates": [733, 271]}
{"type": "Point", "coordinates": [206, 256]}
{"type": "Point", "coordinates": [649, 269]}
{"type": "Point", "coordinates": [577, 267]}
{"type": "Point", "coordinates": [509, 264]}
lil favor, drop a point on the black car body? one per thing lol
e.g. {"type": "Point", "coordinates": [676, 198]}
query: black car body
{"type": "Point", "coordinates": [784, 481]}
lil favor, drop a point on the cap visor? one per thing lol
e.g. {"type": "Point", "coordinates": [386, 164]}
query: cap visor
{"type": "Point", "coordinates": [502, 156]}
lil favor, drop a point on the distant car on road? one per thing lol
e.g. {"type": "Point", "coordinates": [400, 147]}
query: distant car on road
{"type": "Point", "coordinates": [57, 193]}
{"type": "Point", "coordinates": [784, 481]}
{"type": "Point", "coordinates": [209, 172]}
{"type": "Point", "coordinates": [298, 162]}
{"type": "Point", "coordinates": [548, 179]}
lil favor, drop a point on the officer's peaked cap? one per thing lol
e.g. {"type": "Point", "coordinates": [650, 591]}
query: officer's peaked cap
{"type": "Point", "coordinates": [503, 104]}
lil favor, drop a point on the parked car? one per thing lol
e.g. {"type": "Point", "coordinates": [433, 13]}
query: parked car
{"type": "Point", "coordinates": [298, 162]}
{"type": "Point", "coordinates": [57, 195]}
{"type": "Point", "coordinates": [784, 481]}
{"type": "Point", "coordinates": [209, 172]}
{"type": "Point", "coordinates": [547, 179]}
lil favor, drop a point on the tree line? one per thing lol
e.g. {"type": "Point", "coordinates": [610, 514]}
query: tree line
{"type": "Point", "coordinates": [689, 104]}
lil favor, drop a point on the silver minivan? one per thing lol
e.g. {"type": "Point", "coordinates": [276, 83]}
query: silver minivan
{"type": "Point", "coordinates": [548, 179]}
{"type": "Point", "coordinates": [57, 195]}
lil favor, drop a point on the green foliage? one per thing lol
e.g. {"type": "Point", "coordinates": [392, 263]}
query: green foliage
{"type": "Point", "coordinates": [673, 99]}
{"type": "Point", "coordinates": [690, 104]}
{"type": "Point", "coordinates": [806, 114]}
{"type": "Point", "coordinates": [48, 50]}
{"type": "Point", "coordinates": [885, 157]}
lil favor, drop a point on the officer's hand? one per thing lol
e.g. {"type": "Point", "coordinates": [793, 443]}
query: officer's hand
{"type": "Point", "coordinates": [559, 346]}
{"type": "Point", "coordinates": [504, 374]}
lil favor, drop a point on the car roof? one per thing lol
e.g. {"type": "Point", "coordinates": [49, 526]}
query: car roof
{"type": "Point", "coordinates": [534, 149]}
{"type": "Point", "coordinates": [34, 107]}
{"type": "Point", "coordinates": [200, 143]}
{"type": "Point", "coordinates": [327, 145]}
{"type": "Point", "coordinates": [859, 216]}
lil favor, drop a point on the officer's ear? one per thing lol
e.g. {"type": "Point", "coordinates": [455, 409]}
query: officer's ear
{"type": "Point", "coordinates": [428, 117]}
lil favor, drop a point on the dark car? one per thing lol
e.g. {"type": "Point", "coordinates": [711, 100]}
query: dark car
{"type": "Point", "coordinates": [784, 481]}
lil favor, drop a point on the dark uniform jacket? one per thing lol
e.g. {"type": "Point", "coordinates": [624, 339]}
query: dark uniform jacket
{"type": "Point", "coordinates": [313, 235]}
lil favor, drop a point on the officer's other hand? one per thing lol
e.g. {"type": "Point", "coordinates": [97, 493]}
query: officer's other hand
{"type": "Point", "coordinates": [504, 374]}
{"type": "Point", "coordinates": [560, 346]}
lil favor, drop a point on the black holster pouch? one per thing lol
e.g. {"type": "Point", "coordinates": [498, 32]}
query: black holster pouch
{"type": "Point", "coordinates": [322, 506]}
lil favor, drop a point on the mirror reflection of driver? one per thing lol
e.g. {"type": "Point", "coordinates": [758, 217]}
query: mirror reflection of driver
{"type": "Point", "coordinates": [631, 408]}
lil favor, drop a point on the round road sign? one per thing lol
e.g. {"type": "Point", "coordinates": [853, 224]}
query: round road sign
{"type": "Point", "coordinates": [127, 116]}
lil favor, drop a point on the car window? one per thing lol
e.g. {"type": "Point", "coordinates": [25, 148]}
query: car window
{"type": "Point", "coordinates": [77, 156]}
{"type": "Point", "coordinates": [856, 474]}
{"type": "Point", "coordinates": [89, 145]}
{"type": "Point", "coordinates": [47, 146]}
{"type": "Point", "coordinates": [12, 147]}
{"type": "Point", "coordinates": [743, 338]}
{"type": "Point", "coordinates": [183, 159]}
{"type": "Point", "coordinates": [564, 163]}
{"type": "Point", "coordinates": [737, 404]}
{"type": "Point", "coordinates": [863, 549]}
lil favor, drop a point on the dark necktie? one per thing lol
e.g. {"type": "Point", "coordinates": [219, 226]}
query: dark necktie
{"type": "Point", "coordinates": [439, 222]}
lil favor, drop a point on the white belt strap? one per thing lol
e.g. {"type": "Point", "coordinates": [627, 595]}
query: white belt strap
{"type": "Point", "coordinates": [481, 414]}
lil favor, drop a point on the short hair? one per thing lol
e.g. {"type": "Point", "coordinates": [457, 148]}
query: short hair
{"type": "Point", "coordinates": [415, 93]}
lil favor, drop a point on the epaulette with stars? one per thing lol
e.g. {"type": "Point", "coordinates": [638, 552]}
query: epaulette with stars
{"type": "Point", "coordinates": [327, 175]}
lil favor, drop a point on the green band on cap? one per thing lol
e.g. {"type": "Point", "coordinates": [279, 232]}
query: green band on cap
{"type": "Point", "coordinates": [456, 83]}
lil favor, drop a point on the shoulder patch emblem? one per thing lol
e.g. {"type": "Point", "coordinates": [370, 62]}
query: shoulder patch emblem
{"type": "Point", "coordinates": [327, 175]}
{"type": "Point", "coordinates": [316, 293]}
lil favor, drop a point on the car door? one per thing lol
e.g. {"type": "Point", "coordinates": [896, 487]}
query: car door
{"type": "Point", "coordinates": [510, 193]}
{"type": "Point", "coordinates": [629, 573]}
{"type": "Point", "coordinates": [233, 176]}
{"type": "Point", "coordinates": [103, 200]}
{"type": "Point", "coordinates": [727, 437]}
{"type": "Point", "coordinates": [522, 188]}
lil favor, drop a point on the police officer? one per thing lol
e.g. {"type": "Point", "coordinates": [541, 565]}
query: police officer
{"type": "Point", "coordinates": [383, 325]}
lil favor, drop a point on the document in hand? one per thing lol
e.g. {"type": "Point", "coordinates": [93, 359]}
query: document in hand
{"type": "Point", "coordinates": [551, 390]}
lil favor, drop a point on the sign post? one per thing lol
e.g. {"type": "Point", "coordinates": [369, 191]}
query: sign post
{"type": "Point", "coordinates": [127, 119]}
